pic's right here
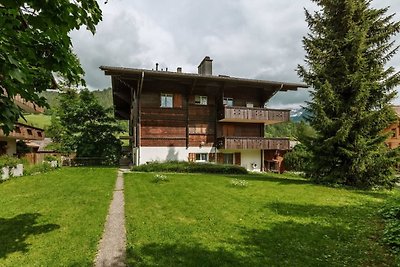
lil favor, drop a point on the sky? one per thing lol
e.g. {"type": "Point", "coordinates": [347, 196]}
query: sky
{"type": "Point", "coordinates": [259, 39]}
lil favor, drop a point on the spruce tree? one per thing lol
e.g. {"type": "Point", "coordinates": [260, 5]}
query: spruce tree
{"type": "Point", "coordinates": [347, 52]}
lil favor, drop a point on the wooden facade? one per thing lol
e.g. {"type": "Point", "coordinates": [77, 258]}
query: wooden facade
{"type": "Point", "coordinates": [25, 132]}
{"type": "Point", "coordinates": [171, 110]}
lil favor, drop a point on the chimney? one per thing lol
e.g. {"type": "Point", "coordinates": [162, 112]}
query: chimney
{"type": "Point", "coordinates": [205, 67]}
{"type": "Point", "coordinates": [157, 66]}
{"type": "Point", "coordinates": [179, 70]}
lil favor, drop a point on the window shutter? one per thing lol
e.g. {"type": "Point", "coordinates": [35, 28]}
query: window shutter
{"type": "Point", "coordinates": [237, 159]}
{"type": "Point", "coordinates": [211, 157]}
{"type": "Point", "coordinates": [220, 158]}
{"type": "Point", "coordinates": [192, 157]}
{"type": "Point", "coordinates": [177, 100]}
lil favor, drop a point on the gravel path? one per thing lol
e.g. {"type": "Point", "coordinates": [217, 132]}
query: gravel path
{"type": "Point", "coordinates": [111, 250]}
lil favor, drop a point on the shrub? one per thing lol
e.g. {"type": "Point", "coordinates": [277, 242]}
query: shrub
{"type": "Point", "coordinates": [189, 167]}
{"type": "Point", "coordinates": [37, 168]}
{"type": "Point", "coordinates": [239, 183]}
{"type": "Point", "coordinates": [298, 159]}
{"type": "Point", "coordinates": [9, 161]}
{"type": "Point", "coordinates": [158, 178]}
{"type": "Point", "coordinates": [50, 158]}
{"type": "Point", "coordinates": [391, 235]}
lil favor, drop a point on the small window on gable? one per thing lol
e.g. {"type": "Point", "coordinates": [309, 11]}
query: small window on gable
{"type": "Point", "coordinates": [228, 101]}
{"type": "Point", "coordinates": [200, 100]}
{"type": "Point", "coordinates": [167, 100]}
{"type": "Point", "coordinates": [39, 134]}
{"type": "Point", "coordinates": [201, 157]}
{"type": "Point", "coordinates": [29, 132]}
{"type": "Point", "coordinates": [17, 130]}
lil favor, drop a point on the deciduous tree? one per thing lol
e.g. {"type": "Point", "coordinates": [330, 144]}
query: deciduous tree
{"type": "Point", "coordinates": [34, 44]}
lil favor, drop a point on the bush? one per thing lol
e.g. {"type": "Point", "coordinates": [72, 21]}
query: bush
{"type": "Point", "coordinates": [189, 167]}
{"type": "Point", "coordinates": [391, 235]}
{"type": "Point", "coordinates": [37, 168]}
{"type": "Point", "coordinates": [298, 159]}
{"type": "Point", "coordinates": [9, 161]}
{"type": "Point", "coordinates": [50, 158]}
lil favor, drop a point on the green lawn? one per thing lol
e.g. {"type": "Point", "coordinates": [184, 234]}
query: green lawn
{"type": "Point", "coordinates": [201, 220]}
{"type": "Point", "coordinates": [54, 219]}
{"type": "Point", "coordinates": [37, 120]}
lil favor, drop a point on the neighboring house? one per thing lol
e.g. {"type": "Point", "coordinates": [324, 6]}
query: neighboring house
{"type": "Point", "coordinates": [8, 144]}
{"type": "Point", "coordinates": [198, 117]}
{"type": "Point", "coordinates": [394, 139]}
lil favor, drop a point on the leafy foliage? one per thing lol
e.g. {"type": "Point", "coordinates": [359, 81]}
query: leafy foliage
{"type": "Point", "coordinates": [298, 159]}
{"type": "Point", "coordinates": [8, 161]}
{"type": "Point", "coordinates": [81, 124]}
{"type": "Point", "coordinates": [189, 167]}
{"type": "Point", "coordinates": [348, 48]}
{"type": "Point", "coordinates": [34, 44]}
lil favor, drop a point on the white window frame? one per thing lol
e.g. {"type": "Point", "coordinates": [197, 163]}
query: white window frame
{"type": "Point", "coordinates": [249, 105]}
{"type": "Point", "coordinates": [201, 100]}
{"type": "Point", "coordinates": [164, 100]}
{"type": "Point", "coordinates": [201, 157]}
{"type": "Point", "coordinates": [228, 101]}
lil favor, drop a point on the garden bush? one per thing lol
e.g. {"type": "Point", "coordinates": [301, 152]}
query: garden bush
{"type": "Point", "coordinates": [189, 167]}
{"type": "Point", "coordinates": [9, 161]}
{"type": "Point", "coordinates": [37, 168]}
{"type": "Point", "coordinates": [391, 235]}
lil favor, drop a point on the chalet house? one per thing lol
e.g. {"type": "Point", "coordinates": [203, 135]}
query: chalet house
{"type": "Point", "coordinates": [8, 144]}
{"type": "Point", "coordinates": [198, 117]}
{"type": "Point", "coordinates": [394, 139]}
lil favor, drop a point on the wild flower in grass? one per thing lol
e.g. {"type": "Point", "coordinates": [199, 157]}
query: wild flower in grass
{"type": "Point", "coordinates": [158, 178]}
{"type": "Point", "coordinates": [239, 183]}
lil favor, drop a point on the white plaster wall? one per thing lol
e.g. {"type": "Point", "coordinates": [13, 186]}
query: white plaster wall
{"type": "Point", "coordinates": [148, 154]}
{"type": "Point", "coordinates": [247, 158]}
{"type": "Point", "coordinates": [11, 145]}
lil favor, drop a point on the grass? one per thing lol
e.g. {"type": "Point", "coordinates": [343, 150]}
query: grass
{"type": "Point", "coordinates": [37, 120]}
{"type": "Point", "coordinates": [54, 219]}
{"type": "Point", "coordinates": [202, 220]}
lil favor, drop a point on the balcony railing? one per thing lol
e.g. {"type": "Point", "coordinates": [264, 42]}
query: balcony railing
{"type": "Point", "coordinates": [253, 115]}
{"type": "Point", "coordinates": [253, 143]}
{"type": "Point", "coordinates": [25, 132]}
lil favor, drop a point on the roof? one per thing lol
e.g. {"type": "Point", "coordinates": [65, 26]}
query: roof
{"type": "Point", "coordinates": [122, 71]}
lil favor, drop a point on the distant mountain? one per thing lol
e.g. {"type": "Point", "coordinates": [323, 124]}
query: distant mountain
{"type": "Point", "coordinates": [298, 115]}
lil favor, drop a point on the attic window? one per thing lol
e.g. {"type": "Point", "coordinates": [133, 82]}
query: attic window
{"type": "Point", "coordinates": [17, 130]}
{"type": "Point", "coordinates": [39, 134]}
{"type": "Point", "coordinates": [29, 131]}
{"type": "Point", "coordinates": [200, 100]}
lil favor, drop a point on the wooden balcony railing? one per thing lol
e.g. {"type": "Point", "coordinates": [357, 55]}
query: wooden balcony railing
{"type": "Point", "coordinates": [253, 115]}
{"type": "Point", "coordinates": [253, 143]}
{"type": "Point", "coordinates": [25, 132]}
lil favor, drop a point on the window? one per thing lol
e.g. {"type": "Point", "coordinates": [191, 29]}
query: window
{"type": "Point", "coordinates": [17, 130]}
{"type": "Point", "coordinates": [228, 158]}
{"type": "Point", "coordinates": [167, 100]}
{"type": "Point", "coordinates": [39, 134]}
{"type": "Point", "coordinates": [228, 101]}
{"type": "Point", "coordinates": [29, 131]}
{"type": "Point", "coordinates": [249, 105]}
{"type": "Point", "coordinates": [200, 100]}
{"type": "Point", "coordinates": [201, 157]}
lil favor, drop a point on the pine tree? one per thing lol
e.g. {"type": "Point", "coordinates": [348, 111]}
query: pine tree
{"type": "Point", "coordinates": [347, 52]}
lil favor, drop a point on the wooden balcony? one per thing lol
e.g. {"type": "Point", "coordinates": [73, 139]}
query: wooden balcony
{"type": "Point", "coordinates": [253, 143]}
{"type": "Point", "coordinates": [25, 132]}
{"type": "Point", "coordinates": [253, 115]}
